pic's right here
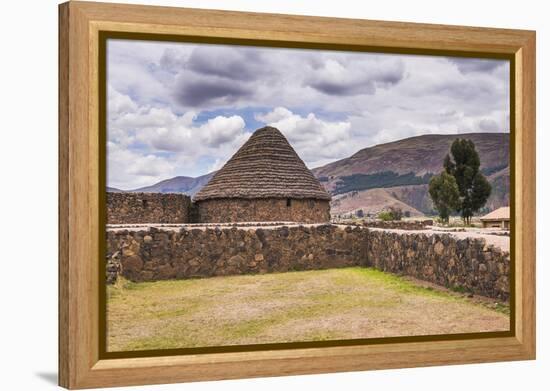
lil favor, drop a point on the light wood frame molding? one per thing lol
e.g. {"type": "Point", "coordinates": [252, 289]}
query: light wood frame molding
{"type": "Point", "coordinates": [80, 365]}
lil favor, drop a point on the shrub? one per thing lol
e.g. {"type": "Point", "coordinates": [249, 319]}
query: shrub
{"type": "Point", "coordinates": [396, 213]}
{"type": "Point", "coordinates": [391, 214]}
{"type": "Point", "coordinates": [385, 216]}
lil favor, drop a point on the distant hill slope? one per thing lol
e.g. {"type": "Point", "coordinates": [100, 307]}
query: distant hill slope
{"type": "Point", "coordinates": [371, 201]}
{"type": "Point", "coordinates": [420, 155]}
{"type": "Point", "coordinates": [406, 166]}
{"type": "Point", "coordinates": [179, 184]}
{"type": "Point", "coordinates": [500, 192]}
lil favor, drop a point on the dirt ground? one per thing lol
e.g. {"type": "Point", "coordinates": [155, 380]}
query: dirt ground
{"type": "Point", "coordinates": [289, 307]}
{"type": "Point", "coordinates": [490, 236]}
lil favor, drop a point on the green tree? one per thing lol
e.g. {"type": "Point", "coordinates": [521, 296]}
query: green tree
{"type": "Point", "coordinates": [474, 189]}
{"type": "Point", "coordinates": [445, 195]}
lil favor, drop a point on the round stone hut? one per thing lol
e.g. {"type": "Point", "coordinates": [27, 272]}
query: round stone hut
{"type": "Point", "coordinates": [265, 180]}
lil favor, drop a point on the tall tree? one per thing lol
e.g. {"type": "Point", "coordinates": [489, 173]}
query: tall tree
{"type": "Point", "coordinates": [474, 189]}
{"type": "Point", "coordinates": [444, 193]}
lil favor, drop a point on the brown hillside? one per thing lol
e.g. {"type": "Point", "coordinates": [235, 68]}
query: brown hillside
{"type": "Point", "coordinates": [371, 201]}
{"type": "Point", "coordinates": [500, 192]}
{"type": "Point", "coordinates": [413, 157]}
{"type": "Point", "coordinates": [179, 184]}
{"type": "Point", "coordinates": [419, 155]}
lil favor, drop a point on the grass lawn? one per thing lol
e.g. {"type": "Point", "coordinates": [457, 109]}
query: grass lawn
{"type": "Point", "coordinates": [287, 307]}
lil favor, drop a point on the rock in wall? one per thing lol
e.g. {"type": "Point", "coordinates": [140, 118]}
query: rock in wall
{"type": "Point", "coordinates": [465, 264]}
{"type": "Point", "coordinates": [147, 208]}
{"type": "Point", "coordinates": [399, 224]}
{"type": "Point", "coordinates": [159, 254]}
{"type": "Point", "coordinates": [264, 209]}
{"type": "Point", "coordinates": [167, 254]}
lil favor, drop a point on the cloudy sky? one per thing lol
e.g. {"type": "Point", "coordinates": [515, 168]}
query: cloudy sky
{"type": "Point", "coordinates": [184, 109]}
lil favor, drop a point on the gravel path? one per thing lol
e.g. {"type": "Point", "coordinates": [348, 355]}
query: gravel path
{"type": "Point", "coordinates": [491, 238]}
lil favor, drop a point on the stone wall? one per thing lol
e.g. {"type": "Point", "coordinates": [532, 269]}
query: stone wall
{"type": "Point", "coordinates": [399, 224]}
{"type": "Point", "coordinates": [144, 208]}
{"type": "Point", "coordinates": [155, 254]}
{"type": "Point", "coordinates": [464, 264]}
{"type": "Point", "coordinates": [269, 209]}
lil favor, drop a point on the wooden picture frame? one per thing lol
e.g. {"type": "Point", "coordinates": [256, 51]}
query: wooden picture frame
{"type": "Point", "coordinates": [80, 165]}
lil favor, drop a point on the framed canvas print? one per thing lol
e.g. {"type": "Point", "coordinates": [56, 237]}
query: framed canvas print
{"type": "Point", "coordinates": [247, 195]}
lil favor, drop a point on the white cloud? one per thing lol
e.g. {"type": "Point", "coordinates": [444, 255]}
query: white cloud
{"type": "Point", "coordinates": [181, 134]}
{"type": "Point", "coordinates": [147, 143]}
{"type": "Point", "coordinates": [127, 169]}
{"type": "Point", "coordinates": [316, 141]}
{"type": "Point", "coordinates": [152, 117]}
{"type": "Point", "coordinates": [220, 130]}
{"type": "Point", "coordinates": [218, 163]}
{"type": "Point", "coordinates": [276, 115]}
{"type": "Point", "coordinates": [189, 105]}
{"type": "Point", "coordinates": [357, 76]}
{"type": "Point", "coordinates": [119, 104]}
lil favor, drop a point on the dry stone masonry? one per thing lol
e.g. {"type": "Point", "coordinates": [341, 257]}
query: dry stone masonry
{"type": "Point", "coordinates": [144, 208]}
{"type": "Point", "coordinates": [399, 224]}
{"type": "Point", "coordinates": [193, 252]}
{"type": "Point", "coordinates": [268, 209]}
{"type": "Point", "coordinates": [467, 265]}
{"type": "Point", "coordinates": [160, 254]}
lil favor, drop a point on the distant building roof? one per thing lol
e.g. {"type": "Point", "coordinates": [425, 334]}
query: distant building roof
{"type": "Point", "coordinates": [498, 214]}
{"type": "Point", "coordinates": [266, 166]}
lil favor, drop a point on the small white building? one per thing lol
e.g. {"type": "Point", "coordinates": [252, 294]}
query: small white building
{"type": "Point", "coordinates": [498, 218]}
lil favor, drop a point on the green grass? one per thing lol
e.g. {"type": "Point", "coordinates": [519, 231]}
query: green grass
{"type": "Point", "coordinates": [502, 308]}
{"type": "Point", "coordinates": [459, 289]}
{"type": "Point", "coordinates": [286, 307]}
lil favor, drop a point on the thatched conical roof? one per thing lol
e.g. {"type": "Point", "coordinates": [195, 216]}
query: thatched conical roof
{"type": "Point", "coordinates": [266, 166]}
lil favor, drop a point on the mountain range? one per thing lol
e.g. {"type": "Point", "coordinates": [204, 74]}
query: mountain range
{"type": "Point", "coordinates": [391, 174]}
{"type": "Point", "coordinates": [178, 184]}
{"type": "Point", "coordinates": [397, 173]}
